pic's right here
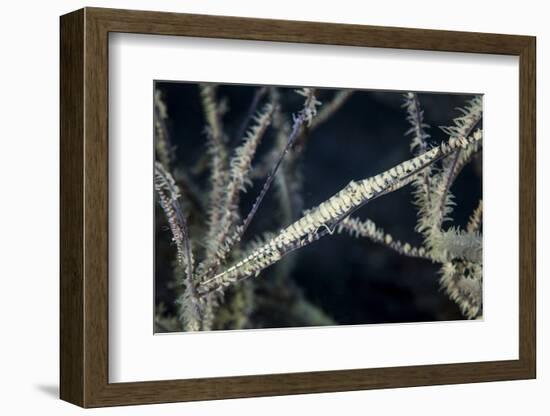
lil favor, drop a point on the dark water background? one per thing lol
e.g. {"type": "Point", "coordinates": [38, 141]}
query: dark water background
{"type": "Point", "coordinates": [352, 280]}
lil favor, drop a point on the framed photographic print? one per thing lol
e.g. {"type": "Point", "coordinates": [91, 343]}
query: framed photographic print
{"type": "Point", "coordinates": [256, 207]}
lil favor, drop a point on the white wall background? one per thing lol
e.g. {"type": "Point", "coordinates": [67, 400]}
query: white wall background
{"type": "Point", "coordinates": [29, 206]}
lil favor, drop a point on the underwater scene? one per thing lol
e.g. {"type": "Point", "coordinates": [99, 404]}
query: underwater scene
{"type": "Point", "coordinates": [294, 206]}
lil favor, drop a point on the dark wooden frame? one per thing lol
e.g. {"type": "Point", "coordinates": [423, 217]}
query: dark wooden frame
{"type": "Point", "coordinates": [84, 207]}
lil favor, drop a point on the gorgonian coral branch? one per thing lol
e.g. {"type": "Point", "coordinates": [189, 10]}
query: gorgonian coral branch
{"type": "Point", "coordinates": [218, 157]}
{"type": "Point", "coordinates": [329, 108]}
{"type": "Point", "coordinates": [368, 229]}
{"type": "Point", "coordinates": [212, 111]}
{"type": "Point", "coordinates": [284, 186]}
{"type": "Point", "coordinates": [466, 156]}
{"type": "Point", "coordinates": [240, 165]}
{"type": "Point", "coordinates": [168, 195]}
{"type": "Point", "coordinates": [471, 116]}
{"type": "Point", "coordinates": [253, 108]}
{"type": "Point", "coordinates": [463, 127]}
{"type": "Point", "coordinates": [328, 214]}
{"type": "Point", "coordinates": [419, 144]}
{"type": "Point", "coordinates": [163, 146]}
{"type": "Point", "coordinates": [462, 281]}
{"type": "Point", "coordinates": [304, 117]}
{"type": "Point", "coordinates": [218, 181]}
{"type": "Point", "coordinates": [288, 180]}
{"type": "Point", "coordinates": [434, 212]}
{"type": "Point", "coordinates": [474, 223]}
{"type": "Point", "coordinates": [454, 243]}
{"type": "Point", "coordinates": [444, 245]}
{"type": "Point", "coordinates": [311, 103]}
{"type": "Point", "coordinates": [415, 117]}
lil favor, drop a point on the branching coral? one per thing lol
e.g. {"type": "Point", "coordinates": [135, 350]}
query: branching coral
{"type": "Point", "coordinates": [435, 203]}
{"type": "Point", "coordinates": [168, 195]}
{"type": "Point", "coordinates": [217, 293]}
{"type": "Point", "coordinates": [237, 182]}
{"type": "Point", "coordinates": [368, 229]}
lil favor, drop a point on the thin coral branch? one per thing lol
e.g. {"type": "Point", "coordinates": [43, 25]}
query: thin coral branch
{"type": "Point", "coordinates": [433, 212]}
{"type": "Point", "coordinates": [309, 112]}
{"type": "Point", "coordinates": [218, 181]}
{"type": "Point", "coordinates": [368, 229]}
{"type": "Point", "coordinates": [419, 144]}
{"type": "Point", "coordinates": [191, 194]}
{"type": "Point", "coordinates": [267, 184]}
{"type": "Point", "coordinates": [252, 109]}
{"type": "Point", "coordinates": [330, 108]}
{"type": "Point", "coordinates": [466, 155]}
{"type": "Point", "coordinates": [324, 114]}
{"type": "Point", "coordinates": [237, 308]}
{"type": "Point", "coordinates": [218, 244]}
{"type": "Point", "coordinates": [448, 175]}
{"type": "Point", "coordinates": [288, 180]}
{"type": "Point", "coordinates": [463, 127]}
{"type": "Point", "coordinates": [462, 281]}
{"type": "Point", "coordinates": [471, 116]}
{"type": "Point", "coordinates": [212, 111]}
{"type": "Point", "coordinates": [415, 117]}
{"type": "Point", "coordinates": [287, 190]}
{"type": "Point", "coordinates": [163, 145]}
{"type": "Point", "coordinates": [474, 223]}
{"type": "Point", "coordinates": [168, 194]}
{"type": "Point", "coordinates": [283, 193]}
{"type": "Point", "coordinates": [304, 117]}
{"type": "Point", "coordinates": [454, 243]}
{"type": "Point", "coordinates": [216, 149]}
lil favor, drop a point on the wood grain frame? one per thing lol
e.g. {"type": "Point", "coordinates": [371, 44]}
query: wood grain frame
{"type": "Point", "coordinates": [84, 207]}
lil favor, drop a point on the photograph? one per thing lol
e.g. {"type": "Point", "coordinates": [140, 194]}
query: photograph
{"type": "Point", "coordinates": [292, 206]}
{"type": "Point", "coordinates": [267, 203]}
